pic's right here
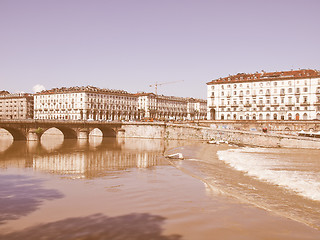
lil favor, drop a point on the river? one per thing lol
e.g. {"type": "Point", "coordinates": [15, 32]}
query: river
{"type": "Point", "coordinates": [126, 189]}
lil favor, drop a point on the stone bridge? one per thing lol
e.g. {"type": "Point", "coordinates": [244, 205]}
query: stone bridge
{"type": "Point", "coordinates": [32, 130]}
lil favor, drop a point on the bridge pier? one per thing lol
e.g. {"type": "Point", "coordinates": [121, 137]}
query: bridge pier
{"type": "Point", "coordinates": [83, 134]}
{"type": "Point", "coordinates": [33, 135]}
{"type": "Point", "coordinates": [121, 133]}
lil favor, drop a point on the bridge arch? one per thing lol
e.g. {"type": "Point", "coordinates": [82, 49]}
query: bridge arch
{"type": "Point", "coordinates": [67, 132]}
{"type": "Point", "coordinates": [107, 131]}
{"type": "Point", "coordinates": [16, 133]}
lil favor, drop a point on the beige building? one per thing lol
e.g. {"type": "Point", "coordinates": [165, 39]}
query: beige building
{"type": "Point", "coordinates": [286, 95]}
{"type": "Point", "coordinates": [85, 103]}
{"type": "Point", "coordinates": [171, 108]}
{"type": "Point", "coordinates": [91, 103]}
{"type": "Point", "coordinates": [197, 109]}
{"type": "Point", "coordinates": [16, 105]}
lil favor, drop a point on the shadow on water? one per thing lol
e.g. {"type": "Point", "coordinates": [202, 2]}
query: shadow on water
{"type": "Point", "coordinates": [21, 195]}
{"type": "Point", "coordinates": [99, 227]}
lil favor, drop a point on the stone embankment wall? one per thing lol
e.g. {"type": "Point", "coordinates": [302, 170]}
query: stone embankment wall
{"type": "Point", "coordinates": [252, 138]}
{"type": "Point", "coordinates": [275, 126]}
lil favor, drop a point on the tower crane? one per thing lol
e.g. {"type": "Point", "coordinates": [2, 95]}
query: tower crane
{"type": "Point", "coordinates": [159, 84]}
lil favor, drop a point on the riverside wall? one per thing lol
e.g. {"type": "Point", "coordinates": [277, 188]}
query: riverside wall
{"type": "Point", "coordinates": [184, 131]}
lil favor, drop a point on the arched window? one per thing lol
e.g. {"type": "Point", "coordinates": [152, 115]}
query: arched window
{"type": "Point", "coordinates": [305, 116]}
{"type": "Point", "coordinates": [268, 116]}
{"type": "Point", "coordinates": [297, 116]}
{"type": "Point", "coordinates": [222, 117]}
{"type": "Point", "coordinates": [289, 116]}
{"type": "Point", "coordinates": [235, 116]}
{"type": "Point", "coordinates": [260, 116]}
{"type": "Point", "coordinates": [275, 116]}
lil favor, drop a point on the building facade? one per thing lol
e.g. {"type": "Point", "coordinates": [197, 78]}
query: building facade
{"type": "Point", "coordinates": [171, 108]}
{"type": "Point", "coordinates": [16, 105]}
{"type": "Point", "coordinates": [91, 103]}
{"type": "Point", "coordinates": [85, 103]}
{"type": "Point", "coordinates": [286, 95]}
{"type": "Point", "coordinates": [197, 109]}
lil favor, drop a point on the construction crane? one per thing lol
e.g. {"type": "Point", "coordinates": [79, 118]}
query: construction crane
{"type": "Point", "coordinates": [159, 84]}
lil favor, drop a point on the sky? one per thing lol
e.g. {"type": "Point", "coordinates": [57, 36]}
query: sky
{"type": "Point", "coordinates": [132, 44]}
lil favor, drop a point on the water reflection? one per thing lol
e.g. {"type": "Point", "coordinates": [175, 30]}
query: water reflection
{"type": "Point", "coordinates": [5, 144]}
{"type": "Point", "coordinates": [85, 159]}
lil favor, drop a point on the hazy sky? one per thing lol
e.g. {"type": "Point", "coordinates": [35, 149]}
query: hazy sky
{"type": "Point", "coordinates": [130, 44]}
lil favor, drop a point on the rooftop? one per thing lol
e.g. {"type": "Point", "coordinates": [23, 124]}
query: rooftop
{"type": "Point", "coordinates": [267, 76]}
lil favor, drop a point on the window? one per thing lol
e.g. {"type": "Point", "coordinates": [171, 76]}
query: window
{"type": "Point", "coordinates": [275, 116]}
{"type": "Point", "coordinates": [268, 92]}
{"type": "Point", "coordinates": [305, 89]}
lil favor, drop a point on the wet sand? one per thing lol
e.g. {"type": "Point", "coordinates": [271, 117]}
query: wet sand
{"type": "Point", "coordinates": [125, 190]}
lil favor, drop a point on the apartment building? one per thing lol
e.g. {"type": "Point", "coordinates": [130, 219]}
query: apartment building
{"type": "Point", "coordinates": [285, 95]}
{"type": "Point", "coordinates": [85, 103]}
{"type": "Point", "coordinates": [171, 108]}
{"type": "Point", "coordinates": [16, 105]}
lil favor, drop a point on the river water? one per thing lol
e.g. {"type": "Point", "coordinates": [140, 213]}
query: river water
{"type": "Point", "coordinates": [126, 189]}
